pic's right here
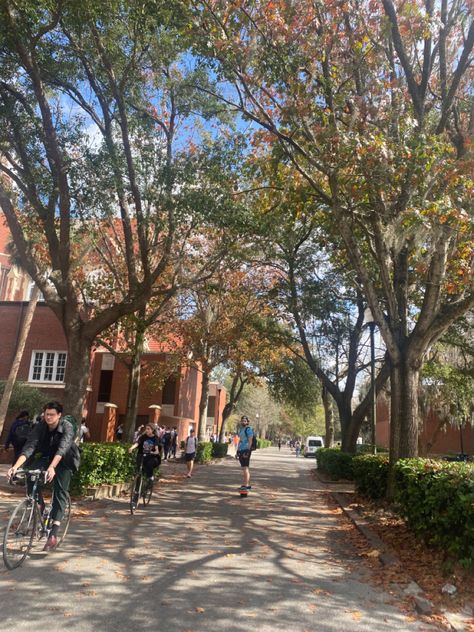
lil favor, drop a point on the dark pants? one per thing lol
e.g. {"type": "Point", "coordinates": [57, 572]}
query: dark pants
{"type": "Point", "coordinates": [61, 483]}
{"type": "Point", "coordinates": [150, 462]}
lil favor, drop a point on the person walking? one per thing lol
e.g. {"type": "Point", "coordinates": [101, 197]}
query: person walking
{"type": "Point", "coordinates": [166, 440]}
{"type": "Point", "coordinates": [190, 449]}
{"type": "Point", "coordinates": [18, 434]}
{"type": "Point", "coordinates": [279, 444]}
{"type": "Point", "coordinates": [84, 433]}
{"type": "Point", "coordinates": [139, 431]}
{"type": "Point", "coordinates": [119, 432]}
{"type": "Point", "coordinates": [174, 442]}
{"type": "Point", "coordinates": [244, 450]}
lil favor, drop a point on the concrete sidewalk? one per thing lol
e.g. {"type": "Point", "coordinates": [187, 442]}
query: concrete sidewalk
{"type": "Point", "coordinates": [201, 558]}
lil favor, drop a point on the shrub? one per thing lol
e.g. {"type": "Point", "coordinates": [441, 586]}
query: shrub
{"type": "Point", "coordinates": [437, 500]}
{"type": "Point", "coordinates": [370, 474]}
{"type": "Point", "coordinates": [263, 443]}
{"type": "Point", "coordinates": [204, 452]}
{"type": "Point", "coordinates": [103, 463]}
{"type": "Point", "coordinates": [25, 397]}
{"type": "Point", "coordinates": [219, 450]}
{"type": "Point", "coordinates": [335, 463]}
{"type": "Point", "coordinates": [366, 448]}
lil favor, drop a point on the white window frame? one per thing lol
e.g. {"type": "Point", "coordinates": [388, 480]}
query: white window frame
{"type": "Point", "coordinates": [57, 360]}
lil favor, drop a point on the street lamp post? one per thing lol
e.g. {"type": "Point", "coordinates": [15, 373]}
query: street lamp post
{"type": "Point", "coordinates": [369, 319]}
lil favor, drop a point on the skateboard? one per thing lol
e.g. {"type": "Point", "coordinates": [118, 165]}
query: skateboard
{"type": "Point", "coordinates": [244, 492]}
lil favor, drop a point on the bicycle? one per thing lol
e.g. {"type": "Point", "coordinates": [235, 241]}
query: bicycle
{"type": "Point", "coordinates": [30, 520]}
{"type": "Point", "coordinates": [142, 487]}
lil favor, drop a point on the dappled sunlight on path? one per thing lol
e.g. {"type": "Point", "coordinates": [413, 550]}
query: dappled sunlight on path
{"type": "Point", "coordinates": [201, 558]}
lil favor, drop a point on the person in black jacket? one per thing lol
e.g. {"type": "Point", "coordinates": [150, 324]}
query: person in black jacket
{"type": "Point", "coordinates": [53, 438]}
{"type": "Point", "coordinates": [18, 433]}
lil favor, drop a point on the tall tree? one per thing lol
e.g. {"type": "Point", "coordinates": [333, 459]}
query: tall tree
{"type": "Point", "coordinates": [222, 326]}
{"type": "Point", "coordinates": [372, 104]}
{"type": "Point", "coordinates": [315, 287]}
{"type": "Point", "coordinates": [96, 110]}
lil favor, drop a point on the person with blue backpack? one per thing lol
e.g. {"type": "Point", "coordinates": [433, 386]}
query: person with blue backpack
{"type": "Point", "coordinates": [247, 443]}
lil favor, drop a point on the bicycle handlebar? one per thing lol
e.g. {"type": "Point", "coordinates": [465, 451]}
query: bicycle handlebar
{"type": "Point", "coordinates": [20, 473]}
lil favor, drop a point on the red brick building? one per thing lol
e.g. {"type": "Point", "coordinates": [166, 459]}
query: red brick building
{"type": "Point", "coordinates": [434, 438]}
{"type": "Point", "coordinates": [44, 365]}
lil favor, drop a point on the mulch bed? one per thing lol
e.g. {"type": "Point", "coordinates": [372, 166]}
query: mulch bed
{"type": "Point", "coordinates": [430, 568]}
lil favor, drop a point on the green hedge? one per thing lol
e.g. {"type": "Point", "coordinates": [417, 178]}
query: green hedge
{"type": "Point", "coordinates": [103, 463]}
{"type": "Point", "coordinates": [204, 452]}
{"type": "Point", "coordinates": [219, 450]}
{"type": "Point", "coordinates": [367, 448]}
{"type": "Point", "coordinates": [335, 463]}
{"type": "Point", "coordinates": [370, 474]}
{"type": "Point", "coordinates": [437, 500]}
{"type": "Point", "coordinates": [263, 443]}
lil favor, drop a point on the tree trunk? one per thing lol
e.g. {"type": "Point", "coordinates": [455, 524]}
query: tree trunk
{"type": "Point", "coordinates": [404, 383]}
{"type": "Point", "coordinates": [203, 406]}
{"type": "Point", "coordinates": [132, 397]}
{"type": "Point", "coordinates": [236, 390]}
{"type": "Point", "coordinates": [348, 430]}
{"type": "Point", "coordinates": [329, 418]}
{"type": "Point", "coordinates": [226, 413]}
{"type": "Point", "coordinates": [25, 329]}
{"type": "Point", "coordinates": [78, 371]}
{"type": "Point", "coordinates": [410, 416]}
{"type": "Point", "coordinates": [134, 381]}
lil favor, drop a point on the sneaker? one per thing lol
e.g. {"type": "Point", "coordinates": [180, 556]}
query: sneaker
{"type": "Point", "coordinates": [188, 475]}
{"type": "Point", "coordinates": [51, 543]}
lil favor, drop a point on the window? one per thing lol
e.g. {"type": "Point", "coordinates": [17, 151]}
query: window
{"type": "Point", "coordinates": [48, 366]}
{"type": "Point", "coordinates": [169, 391]}
{"type": "Point", "coordinates": [105, 386]}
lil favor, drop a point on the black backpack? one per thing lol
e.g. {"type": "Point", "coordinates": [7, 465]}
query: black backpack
{"type": "Point", "coordinates": [254, 445]}
{"type": "Point", "coordinates": [22, 431]}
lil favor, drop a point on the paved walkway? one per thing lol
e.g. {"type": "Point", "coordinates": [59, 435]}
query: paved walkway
{"type": "Point", "coordinates": [201, 558]}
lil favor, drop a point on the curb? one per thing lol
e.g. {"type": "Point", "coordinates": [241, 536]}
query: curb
{"type": "Point", "coordinates": [387, 556]}
{"type": "Point", "coordinates": [457, 622]}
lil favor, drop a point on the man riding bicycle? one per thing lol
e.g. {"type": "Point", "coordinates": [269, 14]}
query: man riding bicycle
{"type": "Point", "coordinates": [52, 444]}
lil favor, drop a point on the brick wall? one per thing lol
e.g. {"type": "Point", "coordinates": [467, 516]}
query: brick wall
{"type": "Point", "coordinates": [45, 333]}
{"type": "Point", "coordinates": [433, 440]}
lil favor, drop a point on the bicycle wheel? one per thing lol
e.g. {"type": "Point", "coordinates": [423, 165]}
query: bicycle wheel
{"type": "Point", "coordinates": [18, 538]}
{"type": "Point", "coordinates": [135, 492]}
{"type": "Point", "coordinates": [147, 491]}
{"type": "Point", "coordinates": [64, 526]}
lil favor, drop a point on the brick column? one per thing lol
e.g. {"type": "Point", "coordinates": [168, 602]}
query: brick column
{"type": "Point", "coordinates": [154, 414]}
{"type": "Point", "coordinates": [109, 423]}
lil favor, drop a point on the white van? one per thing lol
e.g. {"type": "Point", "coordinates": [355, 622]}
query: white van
{"type": "Point", "coordinates": [312, 445]}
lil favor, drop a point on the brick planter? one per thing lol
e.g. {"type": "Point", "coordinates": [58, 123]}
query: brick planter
{"type": "Point", "coordinates": [107, 491]}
